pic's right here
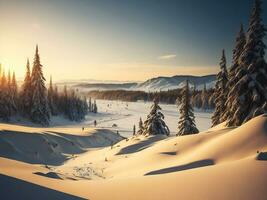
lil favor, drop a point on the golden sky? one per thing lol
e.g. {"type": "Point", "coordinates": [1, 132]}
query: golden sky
{"type": "Point", "coordinates": [79, 41]}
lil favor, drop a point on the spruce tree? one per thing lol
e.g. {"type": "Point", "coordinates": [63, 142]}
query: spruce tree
{"type": "Point", "coordinates": [51, 98]}
{"type": "Point", "coordinates": [14, 87]}
{"type": "Point", "coordinates": [94, 107]}
{"type": "Point", "coordinates": [204, 98]}
{"type": "Point", "coordinates": [56, 99]}
{"type": "Point", "coordinates": [26, 92]}
{"type": "Point", "coordinates": [249, 94]}
{"type": "Point", "coordinates": [9, 95]}
{"type": "Point", "coordinates": [140, 126]}
{"type": "Point", "coordinates": [90, 105]}
{"type": "Point", "coordinates": [4, 109]}
{"type": "Point", "coordinates": [186, 124]}
{"type": "Point", "coordinates": [154, 123]}
{"type": "Point", "coordinates": [40, 112]}
{"type": "Point", "coordinates": [220, 93]}
{"type": "Point", "coordinates": [232, 78]}
{"type": "Point", "coordinates": [134, 130]}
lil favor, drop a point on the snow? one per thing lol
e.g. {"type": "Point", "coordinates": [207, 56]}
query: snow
{"type": "Point", "coordinates": [126, 114]}
{"type": "Point", "coordinates": [221, 163]}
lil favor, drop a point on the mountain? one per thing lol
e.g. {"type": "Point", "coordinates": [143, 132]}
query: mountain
{"type": "Point", "coordinates": [154, 84]}
{"type": "Point", "coordinates": [174, 82]}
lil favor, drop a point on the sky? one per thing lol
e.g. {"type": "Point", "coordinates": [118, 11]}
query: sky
{"type": "Point", "coordinates": [122, 40]}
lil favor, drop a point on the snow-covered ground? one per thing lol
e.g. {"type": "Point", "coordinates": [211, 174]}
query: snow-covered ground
{"type": "Point", "coordinates": [68, 163]}
{"type": "Point", "coordinates": [126, 114]}
{"type": "Point", "coordinates": [121, 116]}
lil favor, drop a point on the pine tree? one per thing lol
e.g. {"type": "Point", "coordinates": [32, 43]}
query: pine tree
{"type": "Point", "coordinates": [94, 107]}
{"type": "Point", "coordinates": [186, 123]}
{"type": "Point", "coordinates": [232, 78]}
{"type": "Point", "coordinates": [51, 98]}
{"type": "Point", "coordinates": [14, 87]}
{"type": "Point", "coordinates": [197, 100]}
{"type": "Point", "coordinates": [4, 109]}
{"type": "Point", "coordinates": [64, 101]}
{"type": "Point", "coordinates": [220, 93]}
{"type": "Point", "coordinates": [249, 94]}
{"type": "Point", "coordinates": [26, 92]}
{"type": "Point", "coordinates": [90, 105]}
{"type": "Point", "coordinates": [9, 95]}
{"type": "Point", "coordinates": [204, 99]}
{"type": "Point", "coordinates": [134, 130]}
{"type": "Point", "coordinates": [72, 109]}
{"type": "Point", "coordinates": [40, 112]}
{"type": "Point", "coordinates": [140, 126]}
{"type": "Point", "coordinates": [56, 98]}
{"type": "Point", "coordinates": [154, 123]}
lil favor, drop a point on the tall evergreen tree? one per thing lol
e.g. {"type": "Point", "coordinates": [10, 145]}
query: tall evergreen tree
{"type": "Point", "coordinates": [40, 112]}
{"type": "Point", "coordinates": [204, 98]}
{"type": "Point", "coordinates": [9, 95]}
{"type": "Point", "coordinates": [14, 86]}
{"type": "Point", "coordinates": [51, 98]}
{"type": "Point", "coordinates": [186, 124]}
{"type": "Point", "coordinates": [140, 126]}
{"type": "Point", "coordinates": [13, 93]}
{"type": "Point", "coordinates": [56, 99]}
{"type": "Point", "coordinates": [249, 94]}
{"type": "Point", "coordinates": [232, 78]}
{"type": "Point", "coordinates": [220, 93]}
{"type": "Point", "coordinates": [134, 129]}
{"type": "Point", "coordinates": [26, 92]}
{"type": "Point", "coordinates": [4, 109]}
{"type": "Point", "coordinates": [94, 107]}
{"type": "Point", "coordinates": [154, 123]}
{"type": "Point", "coordinates": [90, 105]}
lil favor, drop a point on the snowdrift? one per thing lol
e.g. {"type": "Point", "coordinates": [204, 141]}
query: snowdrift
{"type": "Point", "coordinates": [221, 163]}
{"type": "Point", "coordinates": [52, 145]}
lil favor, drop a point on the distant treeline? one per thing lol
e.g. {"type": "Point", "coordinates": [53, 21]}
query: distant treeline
{"type": "Point", "coordinates": [202, 99]}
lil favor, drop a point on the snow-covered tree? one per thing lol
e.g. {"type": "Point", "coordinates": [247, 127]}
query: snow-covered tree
{"type": "Point", "coordinates": [4, 108]}
{"type": "Point", "coordinates": [211, 102]}
{"type": "Point", "coordinates": [154, 123]}
{"type": "Point", "coordinates": [11, 95]}
{"type": "Point", "coordinates": [134, 129]}
{"type": "Point", "coordinates": [204, 98]}
{"type": "Point", "coordinates": [197, 100]}
{"type": "Point", "coordinates": [90, 105]}
{"type": "Point", "coordinates": [140, 126]}
{"type": "Point", "coordinates": [9, 102]}
{"type": "Point", "coordinates": [40, 112]}
{"type": "Point", "coordinates": [232, 78]}
{"type": "Point", "coordinates": [94, 107]}
{"type": "Point", "coordinates": [249, 94]}
{"type": "Point", "coordinates": [186, 124]}
{"type": "Point", "coordinates": [26, 92]}
{"type": "Point", "coordinates": [220, 93]}
{"type": "Point", "coordinates": [51, 98]}
{"type": "Point", "coordinates": [56, 98]}
{"type": "Point", "coordinates": [14, 89]}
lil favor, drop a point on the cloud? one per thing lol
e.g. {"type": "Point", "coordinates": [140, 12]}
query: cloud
{"type": "Point", "coordinates": [167, 57]}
